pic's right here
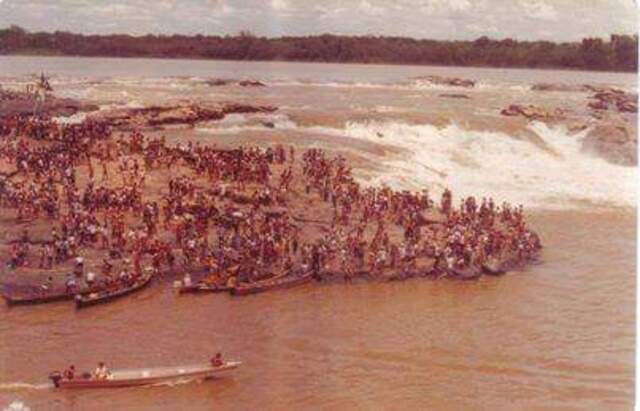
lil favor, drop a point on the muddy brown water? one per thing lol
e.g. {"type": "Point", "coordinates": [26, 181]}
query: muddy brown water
{"type": "Point", "coordinates": [559, 335]}
{"type": "Point", "coordinates": [556, 336]}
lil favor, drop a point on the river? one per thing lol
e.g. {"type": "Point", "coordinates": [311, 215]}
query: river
{"type": "Point", "coordinates": [557, 335]}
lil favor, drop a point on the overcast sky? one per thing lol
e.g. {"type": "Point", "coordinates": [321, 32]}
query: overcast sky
{"type": "Point", "coordinates": [559, 20]}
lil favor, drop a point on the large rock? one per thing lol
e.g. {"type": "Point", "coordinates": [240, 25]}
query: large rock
{"type": "Point", "coordinates": [17, 103]}
{"type": "Point", "coordinates": [614, 141]}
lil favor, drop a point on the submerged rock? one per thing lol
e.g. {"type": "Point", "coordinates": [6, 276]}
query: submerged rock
{"type": "Point", "coordinates": [251, 83]}
{"type": "Point", "coordinates": [560, 87]}
{"type": "Point", "coordinates": [453, 95]}
{"type": "Point", "coordinates": [448, 81]}
{"type": "Point", "coordinates": [218, 82]}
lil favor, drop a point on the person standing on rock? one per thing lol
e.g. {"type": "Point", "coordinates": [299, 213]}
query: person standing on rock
{"type": "Point", "coordinates": [41, 89]}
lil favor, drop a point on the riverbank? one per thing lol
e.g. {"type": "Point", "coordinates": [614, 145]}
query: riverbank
{"type": "Point", "coordinates": [506, 53]}
{"type": "Point", "coordinates": [350, 231]}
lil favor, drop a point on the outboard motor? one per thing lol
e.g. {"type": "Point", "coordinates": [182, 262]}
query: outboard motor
{"type": "Point", "coordinates": [55, 377]}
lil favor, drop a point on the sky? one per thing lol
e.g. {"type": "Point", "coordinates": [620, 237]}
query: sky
{"type": "Point", "coordinates": [555, 20]}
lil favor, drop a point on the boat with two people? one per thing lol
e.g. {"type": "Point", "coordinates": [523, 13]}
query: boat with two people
{"type": "Point", "coordinates": [105, 378]}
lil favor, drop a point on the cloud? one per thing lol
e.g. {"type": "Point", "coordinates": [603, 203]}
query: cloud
{"type": "Point", "coordinates": [561, 20]}
{"type": "Point", "coordinates": [280, 5]}
{"type": "Point", "coordinates": [369, 8]}
{"type": "Point", "coordinates": [539, 9]}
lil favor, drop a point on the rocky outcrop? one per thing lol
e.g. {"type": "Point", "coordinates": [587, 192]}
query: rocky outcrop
{"type": "Point", "coordinates": [454, 95]}
{"type": "Point", "coordinates": [188, 114]}
{"type": "Point", "coordinates": [218, 82]}
{"type": "Point", "coordinates": [559, 87]}
{"type": "Point", "coordinates": [17, 103]}
{"type": "Point", "coordinates": [613, 140]}
{"type": "Point", "coordinates": [251, 83]}
{"type": "Point", "coordinates": [241, 83]}
{"type": "Point", "coordinates": [448, 81]}
{"type": "Point", "coordinates": [534, 112]}
{"type": "Point", "coordinates": [606, 97]}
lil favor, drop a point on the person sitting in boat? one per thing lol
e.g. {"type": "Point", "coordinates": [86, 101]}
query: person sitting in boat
{"type": "Point", "coordinates": [69, 373]}
{"type": "Point", "coordinates": [217, 360]}
{"type": "Point", "coordinates": [70, 283]}
{"type": "Point", "coordinates": [101, 372]}
{"type": "Point", "coordinates": [47, 284]}
{"type": "Point", "coordinates": [124, 276]}
{"type": "Point", "coordinates": [186, 280]}
{"type": "Point", "coordinates": [79, 266]}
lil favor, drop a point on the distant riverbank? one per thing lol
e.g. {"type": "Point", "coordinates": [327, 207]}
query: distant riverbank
{"type": "Point", "coordinates": [619, 53]}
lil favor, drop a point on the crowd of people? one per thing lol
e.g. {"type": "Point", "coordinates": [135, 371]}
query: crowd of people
{"type": "Point", "coordinates": [231, 211]}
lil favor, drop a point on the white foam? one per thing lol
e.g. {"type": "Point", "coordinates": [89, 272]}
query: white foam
{"type": "Point", "coordinates": [17, 406]}
{"type": "Point", "coordinates": [15, 386]}
{"type": "Point", "coordinates": [495, 164]}
{"type": "Point", "coordinates": [239, 123]}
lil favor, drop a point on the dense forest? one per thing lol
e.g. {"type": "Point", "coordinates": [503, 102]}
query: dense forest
{"type": "Point", "coordinates": [618, 53]}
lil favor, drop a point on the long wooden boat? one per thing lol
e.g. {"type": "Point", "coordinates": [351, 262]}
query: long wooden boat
{"type": "Point", "coordinates": [146, 376]}
{"type": "Point", "coordinates": [85, 300]}
{"type": "Point", "coordinates": [38, 296]}
{"type": "Point", "coordinates": [278, 283]}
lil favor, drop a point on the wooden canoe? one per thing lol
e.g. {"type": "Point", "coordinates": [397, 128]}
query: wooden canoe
{"type": "Point", "coordinates": [287, 281]}
{"type": "Point", "coordinates": [146, 376]}
{"type": "Point", "coordinates": [104, 296]}
{"type": "Point", "coordinates": [39, 296]}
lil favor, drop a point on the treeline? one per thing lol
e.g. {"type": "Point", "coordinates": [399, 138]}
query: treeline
{"type": "Point", "coordinates": [618, 53]}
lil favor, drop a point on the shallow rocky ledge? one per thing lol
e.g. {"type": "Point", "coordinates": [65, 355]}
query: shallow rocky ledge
{"type": "Point", "coordinates": [182, 114]}
{"type": "Point", "coordinates": [531, 112]}
{"type": "Point", "coordinates": [18, 103]}
{"type": "Point", "coordinates": [216, 82]}
{"type": "Point", "coordinates": [606, 97]}
{"type": "Point", "coordinates": [448, 81]}
{"type": "Point", "coordinates": [454, 95]}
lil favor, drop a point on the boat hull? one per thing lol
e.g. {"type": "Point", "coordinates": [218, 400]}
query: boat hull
{"type": "Point", "coordinates": [268, 285]}
{"type": "Point", "coordinates": [133, 378]}
{"type": "Point", "coordinates": [42, 298]}
{"type": "Point", "coordinates": [90, 299]}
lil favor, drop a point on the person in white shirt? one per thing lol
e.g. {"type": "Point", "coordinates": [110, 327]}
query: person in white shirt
{"type": "Point", "coordinates": [90, 278]}
{"type": "Point", "coordinates": [101, 372]}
